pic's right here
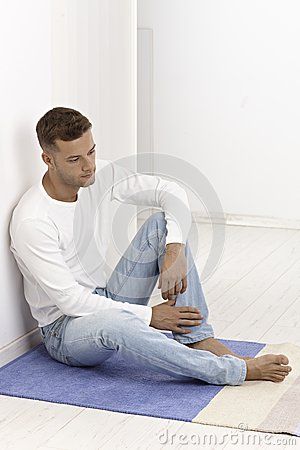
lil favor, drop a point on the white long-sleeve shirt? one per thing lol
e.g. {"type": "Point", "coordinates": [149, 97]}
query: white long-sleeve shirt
{"type": "Point", "coordinates": [60, 247]}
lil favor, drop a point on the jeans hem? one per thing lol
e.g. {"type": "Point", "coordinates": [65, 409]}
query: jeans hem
{"type": "Point", "coordinates": [192, 340]}
{"type": "Point", "coordinates": [243, 372]}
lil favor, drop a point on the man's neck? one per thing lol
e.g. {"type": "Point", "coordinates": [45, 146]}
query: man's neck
{"type": "Point", "coordinates": [57, 191]}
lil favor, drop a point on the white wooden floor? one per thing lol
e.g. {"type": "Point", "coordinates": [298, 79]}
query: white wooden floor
{"type": "Point", "coordinates": [254, 294]}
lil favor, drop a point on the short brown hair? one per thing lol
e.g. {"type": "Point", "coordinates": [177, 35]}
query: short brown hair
{"type": "Point", "coordinates": [61, 123]}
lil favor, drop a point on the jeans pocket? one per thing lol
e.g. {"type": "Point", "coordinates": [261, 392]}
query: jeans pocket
{"type": "Point", "coordinates": [53, 334]}
{"type": "Point", "coordinates": [57, 355]}
{"type": "Point", "coordinates": [54, 342]}
{"type": "Point", "coordinates": [55, 348]}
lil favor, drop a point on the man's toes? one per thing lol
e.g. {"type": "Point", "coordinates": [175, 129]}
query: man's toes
{"type": "Point", "coordinates": [286, 369]}
{"type": "Point", "coordinates": [281, 369]}
{"type": "Point", "coordinates": [282, 374]}
{"type": "Point", "coordinates": [277, 378]}
{"type": "Point", "coordinates": [282, 359]}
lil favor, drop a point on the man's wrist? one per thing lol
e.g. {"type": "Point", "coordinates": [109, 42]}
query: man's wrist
{"type": "Point", "coordinates": [174, 246]}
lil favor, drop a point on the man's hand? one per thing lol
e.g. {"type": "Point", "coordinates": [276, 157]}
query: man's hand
{"type": "Point", "coordinates": [166, 316]}
{"type": "Point", "coordinates": [173, 280]}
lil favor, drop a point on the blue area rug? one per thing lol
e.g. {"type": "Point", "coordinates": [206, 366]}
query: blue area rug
{"type": "Point", "coordinates": [113, 386]}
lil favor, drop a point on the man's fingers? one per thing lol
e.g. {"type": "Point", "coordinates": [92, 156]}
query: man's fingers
{"type": "Point", "coordinates": [171, 291]}
{"type": "Point", "coordinates": [164, 288]}
{"type": "Point", "coordinates": [189, 323]}
{"type": "Point", "coordinates": [181, 330]}
{"type": "Point", "coordinates": [174, 290]}
{"type": "Point", "coordinates": [192, 309]}
{"type": "Point", "coordinates": [165, 295]}
{"type": "Point", "coordinates": [184, 285]}
{"type": "Point", "coordinates": [171, 302]}
{"type": "Point", "coordinates": [177, 288]}
{"type": "Point", "coordinates": [191, 316]}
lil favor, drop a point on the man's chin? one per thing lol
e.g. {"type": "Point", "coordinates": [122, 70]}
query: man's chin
{"type": "Point", "coordinates": [88, 181]}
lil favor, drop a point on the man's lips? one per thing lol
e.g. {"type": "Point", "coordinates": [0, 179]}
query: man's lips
{"type": "Point", "coordinates": [87, 176]}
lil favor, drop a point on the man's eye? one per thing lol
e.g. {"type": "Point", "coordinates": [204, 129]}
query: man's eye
{"type": "Point", "coordinates": [73, 160]}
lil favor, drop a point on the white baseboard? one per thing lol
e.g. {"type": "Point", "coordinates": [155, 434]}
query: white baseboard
{"type": "Point", "coordinates": [20, 346]}
{"type": "Point", "coordinates": [239, 220]}
{"type": "Point", "coordinates": [250, 221]}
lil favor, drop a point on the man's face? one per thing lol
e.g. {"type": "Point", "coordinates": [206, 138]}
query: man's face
{"type": "Point", "coordinates": [75, 161]}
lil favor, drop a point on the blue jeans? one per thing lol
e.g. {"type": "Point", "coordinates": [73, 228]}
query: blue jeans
{"type": "Point", "coordinates": [90, 340]}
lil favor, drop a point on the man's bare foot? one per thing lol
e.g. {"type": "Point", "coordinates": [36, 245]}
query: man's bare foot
{"type": "Point", "coordinates": [268, 367]}
{"type": "Point", "coordinates": [216, 347]}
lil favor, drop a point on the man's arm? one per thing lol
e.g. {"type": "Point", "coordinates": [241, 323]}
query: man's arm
{"type": "Point", "coordinates": [36, 242]}
{"type": "Point", "coordinates": [148, 190]}
{"type": "Point", "coordinates": [151, 190]}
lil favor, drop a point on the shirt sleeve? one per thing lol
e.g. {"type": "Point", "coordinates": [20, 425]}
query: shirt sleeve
{"type": "Point", "coordinates": [36, 243]}
{"type": "Point", "coordinates": [152, 190]}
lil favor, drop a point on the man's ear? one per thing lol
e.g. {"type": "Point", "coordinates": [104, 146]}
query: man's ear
{"type": "Point", "coordinates": [48, 159]}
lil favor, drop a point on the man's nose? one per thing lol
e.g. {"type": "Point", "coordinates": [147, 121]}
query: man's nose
{"type": "Point", "coordinates": [88, 166]}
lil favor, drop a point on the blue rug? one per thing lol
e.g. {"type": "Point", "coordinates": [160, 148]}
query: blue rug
{"type": "Point", "coordinates": [113, 386]}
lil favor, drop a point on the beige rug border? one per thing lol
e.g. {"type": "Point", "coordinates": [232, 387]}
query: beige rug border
{"type": "Point", "coordinates": [227, 407]}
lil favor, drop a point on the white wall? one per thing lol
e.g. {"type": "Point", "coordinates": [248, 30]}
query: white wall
{"type": "Point", "coordinates": [58, 53]}
{"type": "Point", "coordinates": [94, 68]}
{"type": "Point", "coordinates": [226, 83]}
{"type": "Point", "coordinates": [25, 86]}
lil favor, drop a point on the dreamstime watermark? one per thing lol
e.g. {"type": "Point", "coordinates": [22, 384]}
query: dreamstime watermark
{"type": "Point", "coordinates": [236, 437]}
{"type": "Point", "coordinates": [118, 181]}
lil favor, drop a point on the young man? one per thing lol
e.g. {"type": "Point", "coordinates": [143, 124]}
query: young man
{"type": "Point", "coordinates": [60, 232]}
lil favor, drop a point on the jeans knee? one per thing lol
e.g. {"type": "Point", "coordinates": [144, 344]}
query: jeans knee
{"type": "Point", "coordinates": [158, 221]}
